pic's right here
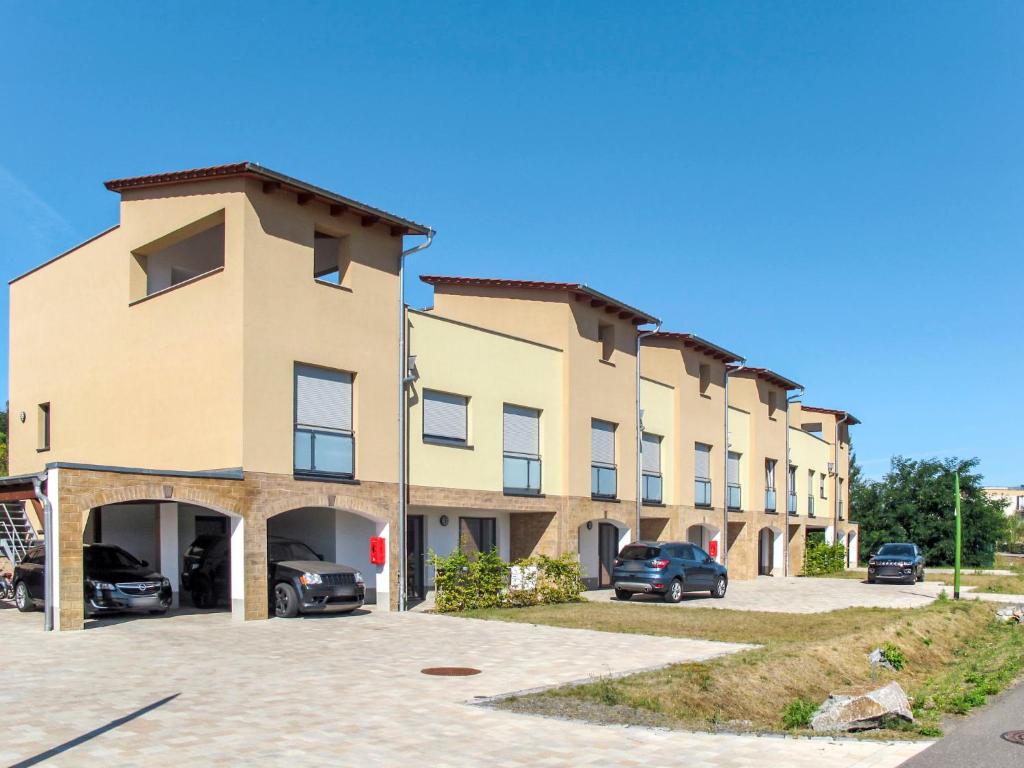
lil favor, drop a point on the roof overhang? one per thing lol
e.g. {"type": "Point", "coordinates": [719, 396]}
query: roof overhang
{"type": "Point", "coordinates": [777, 379]}
{"type": "Point", "coordinates": [846, 416]}
{"type": "Point", "coordinates": [691, 341]}
{"type": "Point", "coordinates": [579, 292]}
{"type": "Point", "coordinates": [272, 180]}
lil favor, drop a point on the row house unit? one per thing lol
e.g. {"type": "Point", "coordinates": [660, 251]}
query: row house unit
{"type": "Point", "coordinates": [234, 357]}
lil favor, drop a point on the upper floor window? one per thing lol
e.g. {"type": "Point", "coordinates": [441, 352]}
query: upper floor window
{"type": "Point", "coordinates": [521, 449]}
{"type": "Point", "coordinates": [183, 255]}
{"type": "Point", "coordinates": [734, 497]}
{"type": "Point", "coordinates": [772, 403]}
{"type": "Point", "coordinates": [769, 485]}
{"type": "Point", "coordinates": [324, 442]}
{"type": "Point", "coordinates": [602, 459]}
{"type": "Point", "coordinates": [331, 259]}
{"type": "Point", "coordinates": [791, 490]}
{"type": "Point", "coordinates": [445, 418]}
{"type": "Point", "coordinates": [704, 371]}
{"type": "Point", "coordinates": [43, 428]}
{"type": "Point", "coordinates": [810, 491]}
{"type": "Point", "coordinates": [651, 468]}
{"type": "Point", "coordinates": [606, 337]}
{"type": "Point", "coordinates": [821, 485]}
{"type": "Point", "coordinates": [702, 474]}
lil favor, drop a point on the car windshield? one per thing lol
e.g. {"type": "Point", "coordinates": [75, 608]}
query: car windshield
{"type": "Point", "coordinates": [109, 557]}
{"type": "Point", "coordinates": [291, 550]}
{"type": "Point", "coordinates": [897, 550]}
{"type": "Point", "coordinates": [639, 552]}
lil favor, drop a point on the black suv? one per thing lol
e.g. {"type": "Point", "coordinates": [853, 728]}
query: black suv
{"type": "Point", "coordinates": [299, 580]}
{"type": "Point", "coordinates": [114, 581]}
{"type": "Point", "coordinates": [902, 562]}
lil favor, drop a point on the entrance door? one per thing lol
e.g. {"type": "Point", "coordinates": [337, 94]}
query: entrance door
{"type": "Point", "coordinates": [767, 558]}
{"type": "Point", "coordinates": [607, 550]}
{"type": "Point", "coordinates": [415, 557]}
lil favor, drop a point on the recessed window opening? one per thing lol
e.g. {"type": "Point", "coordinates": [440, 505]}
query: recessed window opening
{"type": "Point", "coordinates": [705, 377]}
{"type": "Point", "coordinates": [43, 436]}
{"type": "Point", "coordinates": [331, 259]}
{"type": "Point", "coordinates": [181, 256]}
{"type": "Point", "coordinates": [606, 336]}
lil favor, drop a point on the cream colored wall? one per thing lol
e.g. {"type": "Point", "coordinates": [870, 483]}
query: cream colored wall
{"type": "Point", "coordinates": [1007, 496]}
{"type": "Point", "coordinates": [592, 388]}
{"type": "Point", "coordinates": [658, 401]}
{"type": "Point", "coordinates": [491, 369]}
{"type": "Point", "coordinates": [767, 434]}
{"type": "Point", "coordinates": [739, 442]}
{"type": "Point", "coordinates": [291, 317]}
{"type": "Point", "coordinates": [807, 451]}
{"type": "Point", "coordinates": [698, 417]}
{"type": "Point", "coordinates": [154, 385]}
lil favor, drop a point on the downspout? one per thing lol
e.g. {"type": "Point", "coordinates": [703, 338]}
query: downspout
{"type": "Point", "coordinates": [640, 433]}
{"type": "Point", "coordinates": [403, 383]}
{"type": "Point", "coordinates": [790, 399]}
{"type": "Point", "coordinates": [725, 466]}
{"type": "Point", "coordinates": [835, 482]}
{"type": "Point", "coordinates": [50, 576]}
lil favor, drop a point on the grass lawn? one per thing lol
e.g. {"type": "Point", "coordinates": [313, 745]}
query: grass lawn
{"type": "Point", "coordinates": [956, 656]}
{"type": "Point", "coordinates": [983, 582]}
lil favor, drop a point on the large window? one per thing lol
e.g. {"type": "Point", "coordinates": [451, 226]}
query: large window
{"type": "Point", "coordinates": [769, 485]}
{"type": "Point", "coordinates": [791, 483]}
{"type": "Point", "coordinates": [178, 257]}
{"type": "Point", "coordinates": [732, 478]}
{"type": "Point", "coordinates": [521, 449]}
{"type": "Point", "coordinates": [477, 534]}
{"type": "Point", "coordinates": [702, 475]}
{"type": "Point", "coordinates": [810, 492]}
{"type": "Point", "coordinates": [324, 443]}
{"type": "Point", "coordinates": [602, 459]}
{"type": "Point", "coordinates": [651, 468]}
{"type": "Point", "coordinates": [445, 418]}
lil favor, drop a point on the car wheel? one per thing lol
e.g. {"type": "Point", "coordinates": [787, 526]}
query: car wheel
{"type": "Point", "coordinates": [623, 594]}
{"type": "Point", "coordinates": [920, 576]}
{"type": "Point", "coordinates": [871, 579]}
{"type": "Point", "coordinates": [675, 591]}
{"type": "Point", "coordinates": [286, 602]}
{"type": "Point", "coordinates": [720, 586]}
{"type": "Point", "coordinates": [22, 598]}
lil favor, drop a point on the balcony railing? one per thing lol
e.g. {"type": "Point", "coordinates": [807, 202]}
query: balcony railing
{"type": "Point", "coordinates": [734, 496]}
{"type": "Point", "coordinates": [810, 505]}
{"type": "Point", "coordinates": [324, 452]}
{"type": "Point", "coordinates": [791, 504]}
{"type": "Point", "coordinates": [702, 492]}
{"type": "Point", "coordinates": [521, 473]}
{"type": "Point", "coordinates": [652, 487]}
{"type": "Point", "coordinates": [769, 500]}
{"type": "Point", "coordinates": [603, 481]}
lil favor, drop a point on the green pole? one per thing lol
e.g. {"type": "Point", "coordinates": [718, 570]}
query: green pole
{"type": "Point", "coordinates": [956, 556]}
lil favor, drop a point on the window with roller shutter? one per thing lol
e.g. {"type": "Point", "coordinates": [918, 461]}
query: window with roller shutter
{"type": "Point", "coordinates": [324, 443]}
{"type": "Point", "coordinates": [651, 464]}
{"type": "Point", "coordinates": [603, 475]}
{"type": "Point", "coordinates": [521, 449]}
{"type": "Point", "coordinates": [445, 418]}
{"type": "Point", "coordinates": [702, 475]}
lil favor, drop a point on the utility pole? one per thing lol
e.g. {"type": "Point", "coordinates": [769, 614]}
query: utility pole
{"type": "Point", "coordinates": [956, 556]}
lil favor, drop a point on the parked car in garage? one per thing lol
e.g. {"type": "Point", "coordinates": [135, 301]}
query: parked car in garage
{"type": "Point", "coordinates": [668, 569]}
{"type": "Point", "coordinates": [298, 579]}
{"type": "Point", "coordinates": [896, 562]}
{"type": "Point", "coordinates": [194, 555]}
{"type": "Point", "coordinates": [115, 581]}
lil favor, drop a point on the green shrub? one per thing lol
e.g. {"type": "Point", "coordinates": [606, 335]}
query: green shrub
{"type": "Point", "coordinates": [798, 714]}
{"type": "Point", "coordinates": [821, 559]}
{"type": "Point", "coordinates": [896, 658]}
{"type": "Point", "coordinates": [485, 581]}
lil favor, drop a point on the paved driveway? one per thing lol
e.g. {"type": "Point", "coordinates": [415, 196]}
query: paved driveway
{"type": "Point", "coordinates": [203, 690]}
{"type": "Point", "coordinates": [800, 595]}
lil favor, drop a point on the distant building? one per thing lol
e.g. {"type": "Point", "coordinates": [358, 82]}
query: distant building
{"type": "Point", "coordinates": [1013, 495]}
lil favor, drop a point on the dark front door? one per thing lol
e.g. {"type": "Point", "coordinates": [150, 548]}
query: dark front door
{"type": "Point", "coordinates": [477, 534]}
{"type": "Point", "coordinates": [414, 557]}
{"type": "Point", "coordinates": [607, 549]}
{"type": "Point", "coordinates": [766, 555]}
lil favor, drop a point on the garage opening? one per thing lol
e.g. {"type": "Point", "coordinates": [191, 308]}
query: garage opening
{"type": "Point", "coordinates": [329, 536]}
{"type": "Point", "coordinates": [598, 543]}
{"type": "Point", "coordinates": [769, 552]}
{"type": "Point", "coordinates": [707, 537]}
{"type": "Point", "coordinates": [150, 557]}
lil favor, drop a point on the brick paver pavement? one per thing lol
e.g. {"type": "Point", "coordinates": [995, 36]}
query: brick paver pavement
{"type": "Point", "coordinates": [347, 691]}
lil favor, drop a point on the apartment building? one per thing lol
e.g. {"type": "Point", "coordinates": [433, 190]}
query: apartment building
{"type": "Point", "coordinates": [226, 360]}
{"type": "Point", "coordinates": [1012, 497]}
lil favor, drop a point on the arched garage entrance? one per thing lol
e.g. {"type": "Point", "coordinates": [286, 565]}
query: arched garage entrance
{"type": "Point", "coordinates": [769, 552]}
{"type": "Point", "coordinates": [598, 544]}
{"type": "Point", "coordinates": [198, 549]}
{"type": "Point", "coordinates": [707, 537]}
{"type": "Point", "coordinates": [338, 536]}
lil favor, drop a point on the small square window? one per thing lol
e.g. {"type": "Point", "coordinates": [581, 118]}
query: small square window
{"type": "Point", "coordinates": [331, 259]}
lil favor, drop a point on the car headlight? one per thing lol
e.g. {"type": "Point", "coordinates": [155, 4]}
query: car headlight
{"type": "Point", "coordinates": [193, 566]}
{"type": "Point", "coordinates": [359, 578]}
{"type": "Point", "coordinates": [99, 586]}
{"type": "Point", "coordinates": [165, 582]}
{"type": "Point", "coordinates": [308, 579]}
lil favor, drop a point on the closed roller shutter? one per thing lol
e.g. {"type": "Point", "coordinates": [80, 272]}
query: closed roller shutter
{"type": "Point", "coordinates": [651, 453]}
{"type": "Point", "coordinates": [323, 398]}
{"type": "Point", "coordinates": [521, 430]}
{"type": "Point", "coordinates": [444, 416]}
{"type": "Point", "coordinates": [602, 442]}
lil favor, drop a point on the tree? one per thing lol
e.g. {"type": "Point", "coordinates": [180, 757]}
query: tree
{"type": "Point", "coordinates": [914, 502]}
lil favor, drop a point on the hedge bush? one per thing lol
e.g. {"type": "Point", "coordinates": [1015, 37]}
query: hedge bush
{"type": "Point", "coordinates": [485, 581]}
{"type": "Point", "coordinates": [821, 558]}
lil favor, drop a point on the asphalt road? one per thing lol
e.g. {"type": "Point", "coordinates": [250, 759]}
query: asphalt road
{"type": "Point", "coordinates": [975, 742]}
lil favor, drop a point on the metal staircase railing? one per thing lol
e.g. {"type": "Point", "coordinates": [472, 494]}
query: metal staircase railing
{"type": "Point", "coordinates": [16, 533]}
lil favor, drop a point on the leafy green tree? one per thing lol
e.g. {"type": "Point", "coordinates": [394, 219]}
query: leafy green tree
{"type": "Point", "coordinates": [914, 502]}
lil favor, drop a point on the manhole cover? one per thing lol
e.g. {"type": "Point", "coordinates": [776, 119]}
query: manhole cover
{"type": "Point", "coordinates": [450, 671]}
{"type": "Point", "coordinates": [1014, 737]}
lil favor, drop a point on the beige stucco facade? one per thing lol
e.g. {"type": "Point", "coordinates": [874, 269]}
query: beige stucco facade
{"type": "Point", "coordinates": [1011, 496]}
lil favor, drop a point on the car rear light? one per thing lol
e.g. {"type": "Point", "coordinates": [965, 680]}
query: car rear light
{"type": "Point", "coordinates": [658, 564]}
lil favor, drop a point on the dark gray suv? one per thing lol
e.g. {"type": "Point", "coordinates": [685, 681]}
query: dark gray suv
{"type": "Point", "coordinates": [668, 569]}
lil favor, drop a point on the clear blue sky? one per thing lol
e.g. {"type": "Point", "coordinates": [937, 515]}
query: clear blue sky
{"type": "Point", "coordinates": [833, 189]}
